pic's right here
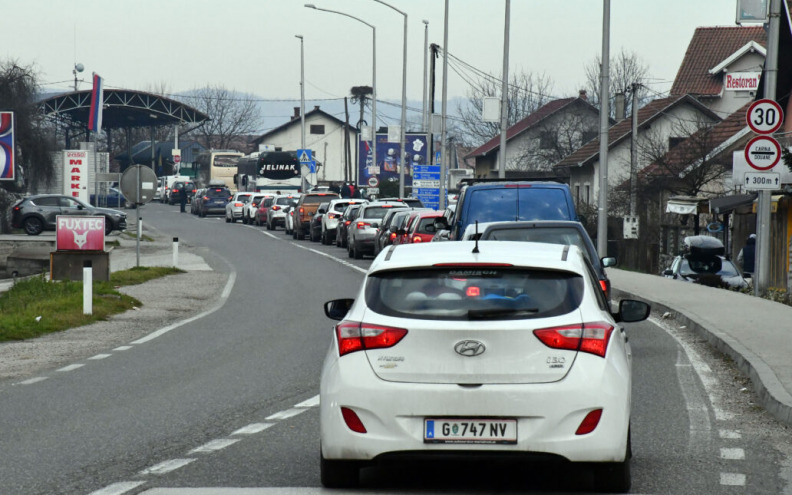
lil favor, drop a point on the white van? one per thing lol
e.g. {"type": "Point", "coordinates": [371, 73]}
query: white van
{"type": "Point", "coordinates": [165, 182]}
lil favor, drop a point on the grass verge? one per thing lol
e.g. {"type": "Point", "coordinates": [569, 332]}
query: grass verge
{"type": "Point", "coordinates": [37, 306]}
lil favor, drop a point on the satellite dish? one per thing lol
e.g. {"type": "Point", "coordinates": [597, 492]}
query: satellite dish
{"type": "Point", "coordinates": [79, 67]}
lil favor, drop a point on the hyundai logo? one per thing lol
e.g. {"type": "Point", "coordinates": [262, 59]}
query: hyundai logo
{"type": "Point", "coordinates": [469, 348]}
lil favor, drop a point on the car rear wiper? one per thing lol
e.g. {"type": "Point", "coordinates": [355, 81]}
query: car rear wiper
{"type": "Point", "coordinates": [480, 314]}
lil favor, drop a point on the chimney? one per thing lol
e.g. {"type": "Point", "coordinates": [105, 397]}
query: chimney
{"type": "Point", "coordinates": [618, 106]}
{"type": "Point", "coordinates": [296, 113]}
{"type": "Point", "coordinates": [582, 95]}
{"type": "Point", "coordinates": [316, 107]}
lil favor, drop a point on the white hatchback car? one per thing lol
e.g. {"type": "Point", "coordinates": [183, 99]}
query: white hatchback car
{"type": "Point", "coordinates": [235, 208]}
{"type": "Point", "coordinates": [484, 348]}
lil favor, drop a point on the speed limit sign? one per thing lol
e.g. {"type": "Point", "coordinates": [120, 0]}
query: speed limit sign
{"type": "Point", "coordinates": [765, 116]}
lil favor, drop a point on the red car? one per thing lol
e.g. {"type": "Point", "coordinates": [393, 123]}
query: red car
{"type": "Point", "coordinates": [404, 229]}
{"type": "Point", "coordinates": [261, 211]}
{"type": "Point", "coordinates": [421, 227]}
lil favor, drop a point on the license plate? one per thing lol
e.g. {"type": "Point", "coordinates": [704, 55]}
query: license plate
{"type": "Point", "coordinates": [470, 430]}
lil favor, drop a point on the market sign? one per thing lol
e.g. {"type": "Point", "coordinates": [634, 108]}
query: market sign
{"type": "Point", "coordinates": [79, 233]}
{"type": "Point", "coordinates": [75, 174]}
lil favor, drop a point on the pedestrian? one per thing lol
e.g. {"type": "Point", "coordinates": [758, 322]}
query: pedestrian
{"type": "Point", "coordinates": [182, 197]}
{"type": "Point", "coordinates": [747, 256]}
{"type": "Point", "coordinates": [346, 192]}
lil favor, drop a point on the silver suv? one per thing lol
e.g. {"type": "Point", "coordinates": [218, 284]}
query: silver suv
{"type": "Point", "coordinates": [362, 232]}
{"type": "Point", "coordinates": [38, 213]}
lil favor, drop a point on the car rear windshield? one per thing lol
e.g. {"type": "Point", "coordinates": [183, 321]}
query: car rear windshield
{"type": "Point", "coordinates": [554, 235]}
{"type": "Point", "coordinates": [319, 198]}
{"type": "Point", "coordinates": [472, 293]}
{"type": "Point", "coordinates": [376, 211]}
{"type": "Point", "coordinates": [510, 204]}
{"type": "Point", "coordinates": [218, 192]}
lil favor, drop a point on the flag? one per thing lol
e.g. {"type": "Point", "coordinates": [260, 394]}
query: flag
{"type": "Point", "coordinates": [97, 101]}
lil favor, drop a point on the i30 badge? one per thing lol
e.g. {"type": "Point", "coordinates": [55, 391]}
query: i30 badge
{"type": "Point", "coordinates": [469, 348]}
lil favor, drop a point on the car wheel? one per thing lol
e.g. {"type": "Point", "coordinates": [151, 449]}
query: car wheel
{"type": "Point", "coordinates": [244, 220]}
{"type": "Point", "coordinates": [614, 477]}
{"type": "Point", "coordinates": [339, 474]}
{"type": "Point", "coordinates": [323, 238]}
{"type": "Point", "coordinates": [33, 226]}
{"type": "Point", "coordinates": [314, 237]}
{"type": "Point", "coordinates": [228, 220]}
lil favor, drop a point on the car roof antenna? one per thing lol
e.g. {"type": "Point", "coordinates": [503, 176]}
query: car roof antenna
{"type": "Point", "coordinates": [476, 237]}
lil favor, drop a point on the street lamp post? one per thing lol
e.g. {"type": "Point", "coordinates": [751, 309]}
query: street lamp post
{"type": "Point", "coordinates": [373, 77]}
{"type": "Point", "coordinates": [424, 110]}
{"type": "Point", "coordinates": [302, 103]}
{"type": "Point", "coordinates": [504, 96]}
{"type": "Point", "coordinates": [402, 147]}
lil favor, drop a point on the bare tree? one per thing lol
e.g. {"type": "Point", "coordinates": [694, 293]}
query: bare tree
{"type": "Point", "coordinates": [626, 68]}
{"type": "Point", "coordinates": [527, 92]}
{"type": "Point", "coordinates": [558, 138]}
{"type": "Point", "coordinates": [232, 115]}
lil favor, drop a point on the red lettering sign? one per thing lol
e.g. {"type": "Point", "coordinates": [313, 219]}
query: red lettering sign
{"type": "Point", "coordinates": [75, 162]}
{"type": "Point", "coordinates": [79, 233]}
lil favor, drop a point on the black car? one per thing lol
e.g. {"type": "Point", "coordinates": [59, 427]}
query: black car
{"type": "Point", "coordinates": [214, 200]}
{"type": "Point", "coordinates": [175, 191]}
{"type": "Point", "coordinates": [702, 261]}
{"type": "Point", "coordinates": [38, 213]}
{"type": "Point", "coordinates": [552, 232]}
{"type": "Point", "coordinates": [387, 227]}
{"type": "Point", "coordinates": [343, 224]}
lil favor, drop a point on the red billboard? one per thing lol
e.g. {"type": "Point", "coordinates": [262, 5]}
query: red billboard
{"type": "Point", "coordinates": [80, 233]}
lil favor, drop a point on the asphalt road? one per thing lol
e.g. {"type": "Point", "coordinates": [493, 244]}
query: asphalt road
{"type": "Point", "coordinates": [229, 400]}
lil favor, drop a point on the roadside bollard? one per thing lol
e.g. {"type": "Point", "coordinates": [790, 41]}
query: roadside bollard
{"type": "Point", "coordinates": [175, 252]}
{"type": "Point", "coordinates": [87, 288]}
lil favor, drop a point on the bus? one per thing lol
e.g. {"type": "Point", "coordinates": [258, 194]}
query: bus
{"type": "Point", "coordinates": [270, 171]}
{"type": "Point", "coordinates": [217, 165]}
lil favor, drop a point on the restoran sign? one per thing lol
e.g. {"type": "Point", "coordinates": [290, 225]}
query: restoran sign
{"type": "Point", "coordinates": [75, 174]}
{"type": "Point", "coordinates": [741, 81]}
{"type": "Point", "coordinates": [79, 233]}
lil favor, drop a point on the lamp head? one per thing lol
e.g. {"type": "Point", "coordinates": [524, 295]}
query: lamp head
{"type": "Point", "coordinates": [79, 67]}
{"type": "Point", "coordinates": [298, 36]}
{"type": "Point", "coordinates": [425, 22]}
{"type": "Point", "coordinates": [310, 5]}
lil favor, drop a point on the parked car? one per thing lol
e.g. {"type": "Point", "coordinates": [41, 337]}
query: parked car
{"type": "Point", "coordinates": [250, 209]}
{"type": "Point", "coordinates": [175, 189]}
{"type": "Point", "coordinates": [236, 206]}
{"type": "Point", "coordinates": [568, 233]}
{"type": "Point", "coordinates": [195, 204]}
{"type": "Point", "coordinates": [113, 199]}
{"type": "Point", "coordinates": [363, 229]}
{"type": "Point", "coordinates": [702, 261]}
{"type": "Point", "coordinates": [276, 214]}
{"type": "Point", "coordinates": [315, 230]}
{"type": "Point", "coordinates": [512, 201]}
{"type": "Point", "coordinates": [306, 209]}
{"type": "Point", "coordinates": [387, 228]}
{"type": "Point", "coordinates": [344, 222]}
{"type": "Point", "coordinates": [449, 351]}
{"type": "Point", "coordinates": [334, 212]}
{"type": "Point", "coordinates": [214, 201]}
{"type": "Point", "coordinates": [38, 213]}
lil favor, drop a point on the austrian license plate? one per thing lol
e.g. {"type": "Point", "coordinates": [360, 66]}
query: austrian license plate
{"type": "Point", "coordinates": [470, 430]}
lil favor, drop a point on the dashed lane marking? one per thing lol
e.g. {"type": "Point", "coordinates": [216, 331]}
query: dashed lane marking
{"type": "Point", "coordinates": [214, 445]}
{"type": "Point", "coordinates": [730, 434]}
{"type": "Point", "coordinates": [166, 467]}
{"type": "Point", "coordinates": [71, 367]}
{"type": "Point", "coordinates": [123, 348]}
{"type": "Point", "coordinates": [288, 413]}
{"type": "Point", "coordinates": [734, 454]}
{"type": "Point", "coordinates": [312, 402]}
{"type": "Point", "coordinates": [732, 479]}
{"type": "Point", "coordinates": [118, 488]}
{"type": "Point", "coordinates": [33, 380]}
{"type": "Point", "coordinates": [252, 429]}
{"type": "Point", "coordinates": [100, 356]}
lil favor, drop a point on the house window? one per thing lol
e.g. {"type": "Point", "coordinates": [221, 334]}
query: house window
{"type": "Point", "coordinates": [546, 140]}
{"type": "Point", "coordinates": [674, 141]}
{"type": "Point", "coordinates": [577, 194]}
{"type": "Point", "coordinates": [317, 129]}
{"type": "Point", "coordinates": [587, 194]}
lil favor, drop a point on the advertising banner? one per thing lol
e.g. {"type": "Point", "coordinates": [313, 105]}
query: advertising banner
{"type": "Point", "coordinates": [79, 233]}
{"type": "Point", "coordinates": [388, 164]}
{"type": "Point", "coordinates": [75, 174]}
{"type": "Point", "coordinates": [6, 145]}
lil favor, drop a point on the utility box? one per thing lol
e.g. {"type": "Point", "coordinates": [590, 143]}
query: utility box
{"type": "Point", "coordinates": [631, 227]}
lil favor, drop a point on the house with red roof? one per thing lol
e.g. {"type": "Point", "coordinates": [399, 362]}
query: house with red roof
{"type": "Point", "coordinates": [542, 138]}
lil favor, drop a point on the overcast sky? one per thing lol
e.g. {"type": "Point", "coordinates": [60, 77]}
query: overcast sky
{"type": "Point", "coordinates": [250, 45]}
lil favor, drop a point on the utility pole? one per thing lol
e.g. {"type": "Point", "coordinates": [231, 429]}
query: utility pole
{"type": "Point", "coordinates": [764, 202]}
{"type": "Point", "coordinates": [634, 150]}
{"type": "Point", "coordinates": [504, 96]}
{"type": "Point", "coordinates": [444, 127]}
{"type": "Point", "coordinates": [602, 197]}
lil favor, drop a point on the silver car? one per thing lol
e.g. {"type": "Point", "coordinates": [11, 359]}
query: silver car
{"type": "Point", "coordinates": [362, 232]}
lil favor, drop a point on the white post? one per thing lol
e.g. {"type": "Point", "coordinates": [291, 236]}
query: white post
{"type": "Point", "coordinates": [87, 287]}
{"type": "Point", "coordinates": [175, 252]}
{"type": "Point", "coordinates": [602, 197]}
{"type": "Point", "coordinates": [504, 97]}
{"type": "Point", "coordinates": [443, 127]}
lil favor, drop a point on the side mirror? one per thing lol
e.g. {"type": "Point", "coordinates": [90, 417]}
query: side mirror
{"type": "Point", "coordinates": [631, 310]}
{"type": "Point", "coordinates": [440, 224]}
{"type": "Point", "coordinates": [668, 272]}
{"type": "Point", "coordinates": [608, 261]}
{"type": "Point", "coordinates": [337, 308]}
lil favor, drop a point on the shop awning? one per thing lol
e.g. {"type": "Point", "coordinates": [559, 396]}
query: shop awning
{"type": "Point", "coordinates": [684, 205]}
{"type": "Point", "coordinates": [727, 204]}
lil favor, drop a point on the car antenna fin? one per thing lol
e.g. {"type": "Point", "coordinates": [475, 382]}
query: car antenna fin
{"type": "Point", "coordinates": [476, 237]}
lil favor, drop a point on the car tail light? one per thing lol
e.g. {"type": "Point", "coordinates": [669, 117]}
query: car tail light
{"type": "Point", "coordinates": [352, 420]}
{"type": "Point", "coordinates": [205, 198]}
{"type": "Point", "coordinates": [333, 215]}
{"type": "Point", "coordinates": [355, 336]}
{"type": "Point", "coordinates": [604, 286]}
{"type": "Point", "coordinates": [588, 337]}
{"type": "Point", "coordinates": [362, 225]}
{"type": "Point", "coordinates": [417, 238]}
{"type": "Point", "coordinates": [238, 204]}
{"type": "Point", "coordinates": [347, 222]}
{"type": "Point", "coordinates": [302, 210]}
{"type": "Point", "coordinates": [275, 208]}
{"type": "Point", "coordinates": [392, 236]}
{"type": "Point", "coordinates": [588, 424]}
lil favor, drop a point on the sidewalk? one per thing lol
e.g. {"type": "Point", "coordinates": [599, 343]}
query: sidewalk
{"type": "Point", "coordinates": [756, 333]}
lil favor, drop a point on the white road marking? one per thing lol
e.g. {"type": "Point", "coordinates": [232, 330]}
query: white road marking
{"type": "Point", "coordinates": [71, 367]}
{"type": "Point", "coordinates": [730, 434]}
{"type": "Point", "coordinates": [214, 445]}
{"type": "Point", "coordinates": [162, 331]}
{"type": "Point", "coordinates": [252, 429]}
{"type": "Point", "coordinates": [123, 348]}
{"type": "Point", "coordinates": [732, 479]}
{"type": "Point", "coordinates": [118, 488]}
{"type": "Point", "coordinates": [100, 356]}
{"type": "Point", "coordinates": [732, 454]}
{"type": "Point", "coordinates": [167, 466]}
{"type": "Point", "coordinates": [337, 260]}
{"type": "Point", "coordinates": [312, 402]}
{"type": "Point", "coordinates": [288, 413]}
{"type": "Point", "coordinates": [34, 380]}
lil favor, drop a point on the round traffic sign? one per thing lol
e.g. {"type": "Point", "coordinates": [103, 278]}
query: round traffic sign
{"type": "Point", "coordinates": [763, 153]}
{"type": "Point", "coordinates": [373, 181]}
{"type": "Point", "coordinates": [765, 116]}
{"type": "Point", "coordinates": [138, 183]}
